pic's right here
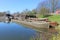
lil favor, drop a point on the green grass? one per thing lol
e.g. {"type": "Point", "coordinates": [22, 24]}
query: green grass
{"type": "Point", "coordinates": [54, 18]}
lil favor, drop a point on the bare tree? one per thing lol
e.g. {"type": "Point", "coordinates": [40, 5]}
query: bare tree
{"type": "Point", "coordinates": [51, 4]}
{"type": "Point", "coordinates": [54, 4]}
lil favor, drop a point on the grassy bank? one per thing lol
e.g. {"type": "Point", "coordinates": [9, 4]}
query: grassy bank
{"type": "Point", "coordinates": [54, 18]}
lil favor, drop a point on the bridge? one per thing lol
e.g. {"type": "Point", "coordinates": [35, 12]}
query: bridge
{"type": "Point", "coordinates": [5, 18]}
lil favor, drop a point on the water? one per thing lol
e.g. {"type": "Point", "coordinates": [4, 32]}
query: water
{"type": "Point", "coordinates": [13, 31]}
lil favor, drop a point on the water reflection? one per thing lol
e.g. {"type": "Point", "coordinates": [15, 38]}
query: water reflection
{"type": "Point", "coordinates": [13, 31]}
{"type": "Point", "coordinates": [42, 34]}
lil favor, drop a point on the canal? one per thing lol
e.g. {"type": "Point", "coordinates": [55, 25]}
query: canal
{"type": "Point", "coordinates": [14, 31]}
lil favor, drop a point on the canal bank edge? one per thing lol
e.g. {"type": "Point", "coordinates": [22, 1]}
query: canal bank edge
{"type": "Point", "coordinates": [34, 26]}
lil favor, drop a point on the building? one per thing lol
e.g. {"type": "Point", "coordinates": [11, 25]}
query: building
{"type": "Point", "coordinates": [57, 12]}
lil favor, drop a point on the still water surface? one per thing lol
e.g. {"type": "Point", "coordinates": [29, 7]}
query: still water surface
{"type": "Point", "coordinates": [13, 31]}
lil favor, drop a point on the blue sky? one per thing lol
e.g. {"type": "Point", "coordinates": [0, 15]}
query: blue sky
{"type": "Point", "coordinates": [18, 5]}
